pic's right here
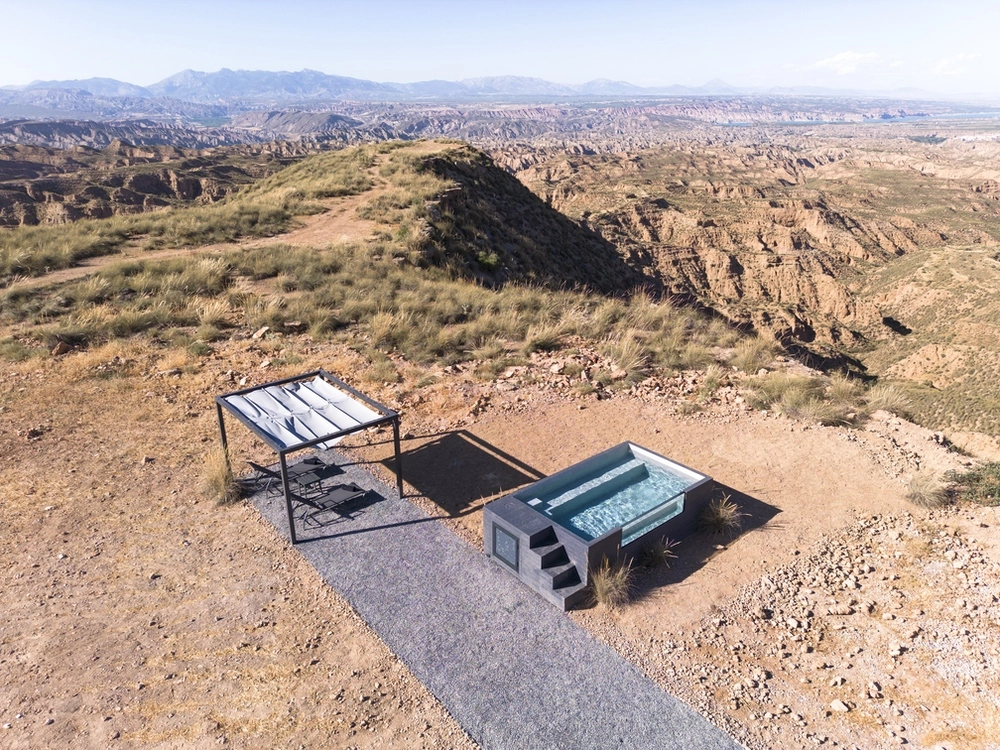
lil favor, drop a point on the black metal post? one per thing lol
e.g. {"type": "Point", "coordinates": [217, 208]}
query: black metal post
{"type": "Point", "coordinates": [288, 497]}
{"type": "Point", "coordinates": [222, 432]}
{"type": "Point", "coordinates": [399, 458]}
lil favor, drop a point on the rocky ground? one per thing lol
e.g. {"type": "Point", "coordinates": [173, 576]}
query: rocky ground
{"type": "Point", "coordinates": [137, 613]}
{"type": "Point", "coordinates": [140, 613]}
{"type": "Point", "coordinates": [850, 618]}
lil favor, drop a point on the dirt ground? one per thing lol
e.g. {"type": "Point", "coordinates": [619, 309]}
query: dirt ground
{"type": "Point", "coordinates": [842, 615]}
{"type": "Point", "coordinates": [139, 613]}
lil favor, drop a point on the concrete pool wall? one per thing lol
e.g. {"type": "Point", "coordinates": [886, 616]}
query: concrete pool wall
{"type": "Point", "coordinates": [555, 558]}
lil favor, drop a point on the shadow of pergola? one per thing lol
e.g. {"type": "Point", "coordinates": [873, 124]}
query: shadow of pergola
{"type": "Point", "coordinates": [456, 470]}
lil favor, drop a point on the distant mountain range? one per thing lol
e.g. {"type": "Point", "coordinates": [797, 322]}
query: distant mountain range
{"type": "Point", "coordinates": [260, 86]}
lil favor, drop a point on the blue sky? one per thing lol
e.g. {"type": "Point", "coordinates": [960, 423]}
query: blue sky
{"type": "Point", "coordinates": [946, 47]}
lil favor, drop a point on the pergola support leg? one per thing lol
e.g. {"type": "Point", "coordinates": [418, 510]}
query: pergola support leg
{"type": "Point", "coordinates": [399, 458]}
{"type": "Point", "coordinates": [222, 433]}
{"type": "Point", "coordinates": [288, 497]}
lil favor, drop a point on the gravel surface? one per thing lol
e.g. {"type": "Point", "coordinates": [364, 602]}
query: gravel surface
{"type": "Point", "coordinates": [511, 669]}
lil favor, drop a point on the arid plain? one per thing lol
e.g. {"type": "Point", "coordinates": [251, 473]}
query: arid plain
{"type": "Point", "coordinates": [807, 313]}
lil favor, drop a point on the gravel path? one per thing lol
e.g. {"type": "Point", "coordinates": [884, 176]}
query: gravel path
{"type": "Point", "coordinates": [513, 671]}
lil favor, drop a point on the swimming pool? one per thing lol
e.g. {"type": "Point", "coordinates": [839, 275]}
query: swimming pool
{"type": "Point", "coordinates": [552, 532]}
{"type": "Point", "coordinates": [619, 493]}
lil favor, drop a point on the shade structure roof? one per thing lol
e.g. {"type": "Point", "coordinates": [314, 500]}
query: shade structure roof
{"type": "Point", "coordinates": [297, 413]}
{"type": "Point", "coordinates": [313, 409]}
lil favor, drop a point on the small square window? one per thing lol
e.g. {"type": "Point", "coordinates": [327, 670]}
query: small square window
{"type": "Point", "coordinates": [505, 547]}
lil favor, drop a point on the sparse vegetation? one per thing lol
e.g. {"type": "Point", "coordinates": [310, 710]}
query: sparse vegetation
{"type": "Point", "coordinates": [887, 397]}
{"type": "Point", "coordinates": [658, 553]}
{"type": "Point", "coordinates": [801, 397]}
{"type": "Point", "coordinates": [722, 515]}
{"type": "Point", "coordinates": [926, 491]}
{"type": "Point", "coordinates": [422, 313]}
{"type": "Point", "coordinates": [611, 584]}
{"type": "Point", "coordinates": [714, 378]}
{"type": "Point", "coordinates": [833, 400]}
{"type": "Point", "coordinates": [980, 485]}
{"type": "Point", "coordinates": [220, 485]}
{"type": "Point", "coordinates": [752, 354]}
{"type": "Point", "coordinates": [261, 210]}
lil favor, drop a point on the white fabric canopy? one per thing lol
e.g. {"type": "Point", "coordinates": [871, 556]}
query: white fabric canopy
{"type": "Point", "coordinates": [295, 413]}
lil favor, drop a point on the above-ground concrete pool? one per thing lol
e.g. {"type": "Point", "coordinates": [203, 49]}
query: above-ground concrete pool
{"type": "Point", "coordinates": [553, 532]}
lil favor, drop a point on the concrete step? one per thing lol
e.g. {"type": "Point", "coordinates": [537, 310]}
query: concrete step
{"type": "Point", "coordinates": [562, 574]}
{"type": "Point", "coordinates": [543, 537]}
{"type": "Point", "coordinates": [571, 595]}
{"type": "Point", "coordinates": [550, 554]}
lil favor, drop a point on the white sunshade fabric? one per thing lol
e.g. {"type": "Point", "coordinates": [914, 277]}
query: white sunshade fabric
{"type": "Point", "coordinates": [295, 413]}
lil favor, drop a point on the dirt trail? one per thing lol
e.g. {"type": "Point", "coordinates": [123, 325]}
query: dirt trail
{"type": "Point", "coordinates": [337, 224]}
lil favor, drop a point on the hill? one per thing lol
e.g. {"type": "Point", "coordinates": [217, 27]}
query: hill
{"type": "Point", "coordinates": [430, 277]}
{"type": "Point", "coordinates": [878, 254]}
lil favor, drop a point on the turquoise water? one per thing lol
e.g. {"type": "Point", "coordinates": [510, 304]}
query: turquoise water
{"type": "Point", "coordinates": [636, 494]}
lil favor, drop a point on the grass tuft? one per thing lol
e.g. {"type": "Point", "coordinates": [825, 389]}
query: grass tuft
{"type": "Point", "coordinates": [220, 485]}
{"type": "Point", "coordinates": [887, 397]}
{"type": "Point", "coordinates": [980, 485]}
{"type": "Point", "coordinates": [722, 515]}
{"type": "Point", "coordinates": [658, 553]}
{"type": "Point", "coordinates": [925, 490]}
{"type": "Point", "coordinates": [611, 585]}
{"type": "Point", "coordinates": [752, 354]}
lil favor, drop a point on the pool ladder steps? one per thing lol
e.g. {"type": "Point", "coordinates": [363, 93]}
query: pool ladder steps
{"type": "Point", "coordinates": [556, 568]}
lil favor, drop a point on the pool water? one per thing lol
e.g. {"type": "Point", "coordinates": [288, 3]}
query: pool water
{"type": "Point", "coordinates": [630, 494]}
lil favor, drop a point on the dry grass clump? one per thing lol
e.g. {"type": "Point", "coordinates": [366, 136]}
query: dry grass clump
{"type": "Point", "coordinates": [722, 515]}
{"type": "Point", "coordinates": [219, 483]}
{"type": "Point", "coordinates": [15, 350]}
{"type": "Point", "coordinates": [611, 585]}
{"type": "Point", "coordinates": [628, 352]}
{"type": "Point", "coordinates": [715, 378]}
{"type": "Point", "coordinates": [751, 354]}
{"type": "Point", "coordinates": [980, 484]}
{"type": "Point", "coordinates": [844, 389]}
{"type": "Point", "coordinates": [925, 490]}
{"type": "Point", "coordinates": [544, 337]}
{"type": "Point", "coordinates": [658, 553]}
{"type": "Point", "coordinates": [828, 401]}
{"type": "Point", "coordinates": [887, 397]}
{"type": "Point", "coordinates": [783, 389]}
{"type": "Point", "coordinates": [214, 312]}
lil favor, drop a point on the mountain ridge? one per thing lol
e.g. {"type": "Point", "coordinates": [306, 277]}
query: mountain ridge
{"type": "Point", "coordinates": [306, 84]}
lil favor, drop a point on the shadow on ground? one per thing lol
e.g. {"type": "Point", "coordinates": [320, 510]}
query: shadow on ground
{"type": "Point", "coordinates": [696, 550]}
{"type": "Point", "coordinates": [457, 471]}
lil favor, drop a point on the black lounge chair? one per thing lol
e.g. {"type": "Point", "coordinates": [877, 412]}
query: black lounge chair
{"type": "Point", "coordinates": [330, 500]}
{"type": "Point", "coordinates": [265, 473]}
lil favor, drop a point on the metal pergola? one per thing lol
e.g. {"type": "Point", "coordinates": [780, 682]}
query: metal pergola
{"type": "Point", "coordinates": [295, 413]}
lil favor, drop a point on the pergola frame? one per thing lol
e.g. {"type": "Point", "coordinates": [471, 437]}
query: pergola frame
{"type": "Point", "coordinates": [388, 416]}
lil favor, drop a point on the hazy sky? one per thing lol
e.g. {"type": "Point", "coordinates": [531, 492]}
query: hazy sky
{"type": "Point", "coordinates": [945, 46]}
